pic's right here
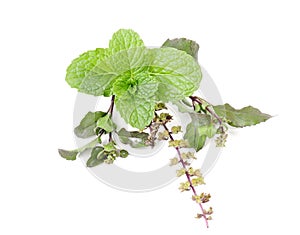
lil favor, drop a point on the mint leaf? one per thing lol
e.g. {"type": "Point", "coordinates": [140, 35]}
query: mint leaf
{"type": "Point", "coordinates": [135, 139]}
{"type": "Point", "coordinates": [137, 80]}
{"type": "Point", "coordinates": [183, 44]}
{"type": "Point", "coordinates": [124, 39]}
{"type": "Point", "coordinates": [177, 73]}
{"type": "Point", "coordinates": [138, 76]}
{"type": "Point", "coordinates": [95, 72]}
{"type": "Point", "coordinates": [106, 123]}
{"type": "Point", "coordinates": [137, 104]}
{"type": "Point", "coordinates": [136, 111]}
{"type": "Point", "coordinates": [162, 80]}
{"type": "Point", "coordinates": [246, 116]}
{"type": "Point", "coordinates": [82, 65]}
{"type": "Point", "coordinates": [97, 157]}
{"type": "Point", "coordinates": [198, 130]}
{"type": "Point", "coordinates": [69, 155]}
{"type": "Point", "coordinates": [88, 124]}
{"type": "Point", "coordinates": [100, 79]}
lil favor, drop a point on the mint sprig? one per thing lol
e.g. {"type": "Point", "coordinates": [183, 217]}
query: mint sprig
{"type": "Point", "coordinates": [136, 75]}
{"type": "Point", "coordinates": [141, 82]}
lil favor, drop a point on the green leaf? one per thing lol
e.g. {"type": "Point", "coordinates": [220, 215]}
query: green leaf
{"type": "Point", "coordinates": [110, 146]}
{"type": "Point", "coordinates": [81, 74]}
{"type": "Point", "coordinates": [135, 139]}
{"type": "Point", "coordinates": [124, 39]}
{"type": "Point", "coordinates": [177, 73]}
{"type": "Point", "coordinates": [246, 116]}
{"type": "Point", "coordinates": [82, 65]}
{"type": "Point", "coordinates": [69, 155]}
{"type": "Point", "coordinates": [163, 80]}
{"type": "Point", "coordinates": [138, 82]}
{"type": "Point", "coordinates": [139, 77]}
{"type": "Point", "coordinates": [97, 157]}
{"type": "Point", "coordinates": [198, 130]}
{"type": "Point", "coordinates": [100, 79]}
{"type": "Point", "coordinates": [106, 123]}
{"type": "Point", "coordinates": [135, 110]}
{"type": "Point", "coordinates": [149, 76]}
{"type": "Point", "coordinates": [136, 105]}
{"type": "Point", "coordinates": [88, 124]}
{"type": "Point", "coordinates": [183, 44]}
{"type": "Point", "coordinates": [127, 61]}
{"type": "Point", "coordinates": [72, 154]}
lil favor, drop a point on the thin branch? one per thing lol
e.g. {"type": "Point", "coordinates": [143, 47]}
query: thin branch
{"type": "Point", "coordinates": [111, 107]}
{"type": "Point", "coordinates": [110, 111]}
{"type": "Point", "coordinates": [186, 173]}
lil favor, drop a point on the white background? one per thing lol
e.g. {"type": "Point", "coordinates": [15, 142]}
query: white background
{"type": "Point", "coordinates": [250, 48]}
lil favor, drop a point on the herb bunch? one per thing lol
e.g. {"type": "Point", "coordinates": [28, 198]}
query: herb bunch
{"type": "Point", "coordinates": [141, 83]}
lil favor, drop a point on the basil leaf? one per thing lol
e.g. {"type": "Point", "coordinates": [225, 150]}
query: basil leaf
{"type": "Point", "coordinates": [72, 154]}
{"type": "Point", "coordinates": [87, 125]}
{"type": "Point", "coordinates": [106, 123]}
{"type": "Point", "coordinates": [69, 155]}
{"type": "Point", "coordinates": [198, 130]}
{"type": "Point", "coordinates": [97, 157]}
{"type": "Point", "coordinates": [246, 116]}
{"type": "Point", "coordinates": [135, 139]}
{"type": "Point", "coordinates": [183, 44]}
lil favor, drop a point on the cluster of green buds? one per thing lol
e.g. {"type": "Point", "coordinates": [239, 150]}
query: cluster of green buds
{"type": "Point", "coordinates": [157, 122]}
{"type": "Point", "coordinates": [111, 152]}
{"type": "Point", "coordinates": [106, 153]}
{"type": "Point", "coordinates": [221, 140]}
{"type": "Point", "coordinates": [178, 143]}
{"type": "Point", "coordinates": [160, 106]}
{"type": "Point", "coordinates": [207, 213]}
{"type": "Point", "coordinates": [191, 172]}
{"type": "Point", "coordinates": [164, 135]}
{"type": "Point", "coordinates": [163, 118]}
{"type": "Point", "coordinates": [188, 156]}
{"type": "Point", "coordinates": [195, 178]}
